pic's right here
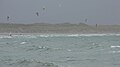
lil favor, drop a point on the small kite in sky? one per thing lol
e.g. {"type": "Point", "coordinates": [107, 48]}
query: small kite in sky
{"type": "Point", "coordinates": [43, 8]}
{"type": "Point", "coordinates": [8, 18]}
{"type": "Point", "coordinates": [37, 13]}
{"type": "Point", "coordinates": [86, 20]}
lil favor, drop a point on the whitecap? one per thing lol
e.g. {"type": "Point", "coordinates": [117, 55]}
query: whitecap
{"type": "Point", "coordinates": [115, 46]}
{"type": "Point", "coordinates": [44, 35]}
{"type": "Point", "coordinates": [6, 37]}
{"type": "Point", "coordinates": [28, 36]}
{"type": "Point", "coordinates": [23, 42]}
{"type": "Point", "coordinates": [108, 34]}
{"type": "Point", "coordinates": [31, 36]}
{"type": "Point", "coordinates": [115, 51]}
{"type": "Point", "coordinates": [41, 47]}
{"type": "Point", "coordinates": [25, 36]}
{"type": "Point", "coordinates": [58, 35]}
{"type": "Point", "coordinates": [76, 35]}
{"type": "Point", "coordinates": [69, 50]}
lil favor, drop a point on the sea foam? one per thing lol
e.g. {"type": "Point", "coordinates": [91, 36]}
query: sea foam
{"type": "Point", "coordinates": [56, 35]}
{"type": "Point", "coordinates": [76, 35]}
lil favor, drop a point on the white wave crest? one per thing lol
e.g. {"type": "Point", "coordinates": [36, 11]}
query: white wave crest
{"type": "Point", "coordinates": [76, 35]}
{"type": "Point", "coordinates": [115, 46]}
{"type": "Point", "coordinates": [115, 52]}
{"type": "Point", "coordinates": [23, 42]}
{"type": "Point", "coordinates": [56, 35]}
{"type": "Point", "coordinates": [25, 36]}
{"type": "Point", "coordinates": [3, 36]}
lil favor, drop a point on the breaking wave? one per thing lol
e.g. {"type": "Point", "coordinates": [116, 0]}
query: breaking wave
{"type": "Point", "coordinates": [56, 35]}
{"type": "Point", "coordinates": [3, 36]}
{"type": "Point", "coordinates": [76, 35]}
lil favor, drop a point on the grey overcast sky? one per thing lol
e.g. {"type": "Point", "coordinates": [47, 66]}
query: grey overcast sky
{"type": "Point", "coordinates": [60, 11]}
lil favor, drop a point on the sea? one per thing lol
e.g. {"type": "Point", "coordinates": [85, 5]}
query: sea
{"type": "Point", "coordinates": [60, 50]}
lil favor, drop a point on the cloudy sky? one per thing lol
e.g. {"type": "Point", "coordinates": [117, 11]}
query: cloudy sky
{"type": "Point", "coordinates": [60, 11]}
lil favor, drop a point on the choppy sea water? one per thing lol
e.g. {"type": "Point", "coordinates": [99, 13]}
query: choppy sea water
{"type": "Point", "coordinates": [74, 50]}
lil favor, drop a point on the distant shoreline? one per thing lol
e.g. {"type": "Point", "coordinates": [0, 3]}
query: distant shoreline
{"type": "Point", "coordinates": [64, 28]}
